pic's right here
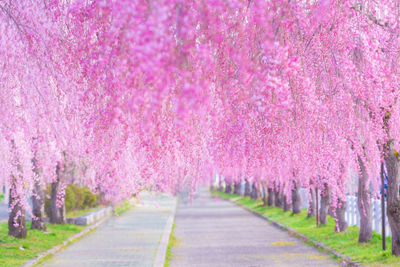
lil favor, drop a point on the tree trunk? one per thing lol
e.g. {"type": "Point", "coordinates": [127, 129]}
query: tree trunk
{"type": "Point", "coordinates": [364, 205]}
{"type": "Point", "coordinates": [331, 211]}
{"type": "Point", "coordinates": [16, 219]}
{"type": "Point", "coordinates": [247, 189]}
{"type": "Point", "coordinates": [271, 197]}
{"type": "Point", "coordinates": [325, 202]}
{"type": "Point", "coordinates": [311, 204]}
{"type": "Point", "coordinates": [228, 187]}
{"type": "Point", "coordinates": [211, 186]}
{"type": "Point", "coordinates": [341, 224]}
{"type": "Point", "coordinates": [286, 205]}
{"type": "Point", "coordinates": [254, 192]}
{"type": "Point", "coordinates": [393, 202]}
{"type": "Point", "coordinates": [38, 221]}
{"type": "Point", "coordinates": [278, 199]}
{"type": "Point", "coordinates": [237, 188]}
{"type": "Point", "coordinates": [296, 200]}
{"type": "Point", "coordinates": [220, 187]}
{"type": "Point", "coordinates": [57, 206]}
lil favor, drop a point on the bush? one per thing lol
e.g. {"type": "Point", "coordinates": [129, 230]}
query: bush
{"type": "Point", "coordinates": [76, 198]}
{"type": "Point", "coordinates": [47, 196]}
{"type": "Point", "coordinates": [79, 196]}
{"type": "Point", "coordinates": [90, 198]}
{"type": "Point", "coordinates": [70, 199]}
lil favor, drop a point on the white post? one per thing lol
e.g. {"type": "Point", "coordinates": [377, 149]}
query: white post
{"type": "Point", "coordinates": [378, 216]}
{"type": "Point", "coordinates": [357, 213]}
{"type": "Point", "coordinates": [346, 214]}
{"type": "Point", "coordinates": [353, 211]}
{"type": "Point", "coordinates": [379, 219]}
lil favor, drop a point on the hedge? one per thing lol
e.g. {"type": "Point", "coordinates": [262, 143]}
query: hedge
{"type": "Point", "coordinates": [76, 198]}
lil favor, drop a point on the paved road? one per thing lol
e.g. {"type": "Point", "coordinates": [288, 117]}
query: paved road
{"type": "Point", "coordinates": [129, 240]}
{"type": "Point", "coordinates": [218, 233]}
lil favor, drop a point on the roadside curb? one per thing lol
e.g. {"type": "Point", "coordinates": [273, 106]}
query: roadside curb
{"type": "Point", "coordinates": [163, 246]}
{"type": "Point", "coordinates": [93, 216]}
{"type": "Point", "coordinates": [64, 244]}
{"type": "Point", "coordinates": [348, 261]}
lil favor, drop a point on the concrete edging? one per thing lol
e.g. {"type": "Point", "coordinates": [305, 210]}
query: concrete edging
{"type": "Point", "coordinates": [57, 248]}
{"type": "Point", "coordinates": [163, 246]}
{"type": "Point", "coordinates": [93, 216]}
{"type": "Point", "coordinates": [348, 261]}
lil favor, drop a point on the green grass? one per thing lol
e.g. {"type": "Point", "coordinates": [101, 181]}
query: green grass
{"type": "Point", "coordinates": [173, 242]}
{"type": "Point", "coordinates": [370, 254]}
{"type": "Point", "coordinates": [77, 213]}
{"type": "Point", "coordinates": [1, 197]}
{"type": "Point", "coordinates": [123, 207]}
{"type": "Point", "coordinates": [14, 252]}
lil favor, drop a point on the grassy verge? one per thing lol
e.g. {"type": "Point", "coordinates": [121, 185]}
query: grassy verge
{"type": "Point", "coordinates": [173, 242]}
{"type": "Point", "coordinates": [1, 197]}
{"type": "Point", "coordinates": [123, 207]}
{"type": "Point", "coordinates": [14, 252]}
{"type": "Point", "coordinates": [370, 254]}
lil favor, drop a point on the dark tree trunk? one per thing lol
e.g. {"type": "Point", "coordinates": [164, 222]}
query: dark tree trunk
{"type": "Point", "coordinates": [38, 221]}
{"type": "Point", "coordinates": [237, 188]}
{"type": "Point", "coordinates": [296, 200]}
{"type": "Point", "coordinates": [220, 187]}
{"type": "Point", "coordinates": [311, 204]}
{"type": "Point", "coordinates": [364, 205]}
{"type": "Point", "coordinates": [331, 211]}
{"type": "Point", "coordinates": [325, 202]}
{"type": "Point", "coordinates": [393, 201]}
{"type": "Point", "coordinates": [271, 197]}
{"type": "Point", "coordinates": [286, 204]}
{"type": "Point", "coordinates": [247, 189]}
{"type": "Point", "coordinates": [57, 214]}
{"type": "Point", "coordinates": [341, 224]}
{"type": "Point", "coordinates": [102, 198]}
{"type": "Point", "coordinates": [228, 187]}
{"type": "Point", "coordinates": [16, 219]}
{"type": "Point", "coordinates": [254, 191]}
{"type": "Point", "coordinates": [278, 198]}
